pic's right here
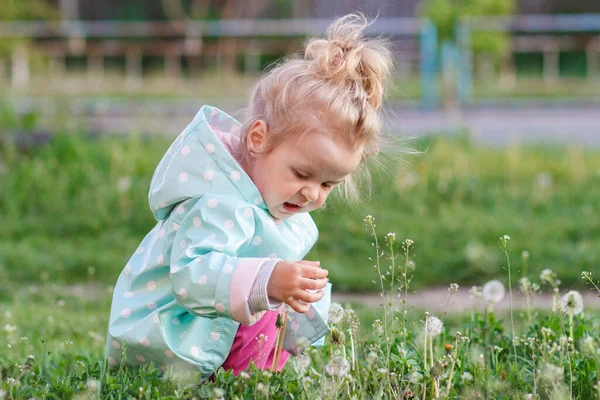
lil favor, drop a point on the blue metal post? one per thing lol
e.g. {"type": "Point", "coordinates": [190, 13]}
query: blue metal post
{"type": "Point", "coordinates": [429, 65]}
{"type": "Point", "coordinates": [465, 64]}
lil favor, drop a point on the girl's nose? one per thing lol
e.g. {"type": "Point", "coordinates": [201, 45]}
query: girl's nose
{"type": "Point", "coordinates": [310, 192]}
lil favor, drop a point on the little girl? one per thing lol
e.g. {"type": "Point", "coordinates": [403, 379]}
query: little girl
{"type": "Point", "coordinates": [205, 286]}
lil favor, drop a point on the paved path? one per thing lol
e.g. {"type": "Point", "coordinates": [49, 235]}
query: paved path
{"type": "Point", "coordinates": [494, 124]}
{"type": "Point", "coordinates": [433, 300]}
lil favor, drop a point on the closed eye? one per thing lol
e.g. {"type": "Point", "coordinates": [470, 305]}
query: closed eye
{"type": "Point", "coordinates": [299, 175]}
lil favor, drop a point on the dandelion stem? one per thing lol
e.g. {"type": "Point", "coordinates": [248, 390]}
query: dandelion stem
{"type": "Point", "coordinates": [571, 323]}
{"type": "Point", "coordinates": [449, 385]}
{"type": "Point", "coordinates": [512, 321]}
{"type": "Point", "coordinates": [276, 347]}
{"type": "Point", "coordinates": [285, 320]}
{"type": "Point", "coordinates": [431, 351]}
{"type": "Point", "coordinates": [425, 356]}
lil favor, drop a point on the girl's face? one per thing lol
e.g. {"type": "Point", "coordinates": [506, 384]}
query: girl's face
{"type": "Point", "coordinates": [298, 174]}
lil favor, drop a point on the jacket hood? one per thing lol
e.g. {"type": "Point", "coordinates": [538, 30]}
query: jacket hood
{"type": "Point", "coordinates": [199, 161]}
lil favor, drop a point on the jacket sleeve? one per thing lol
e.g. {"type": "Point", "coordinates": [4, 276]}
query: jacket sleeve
{"type": "Point", "coordinates": [207, 276]}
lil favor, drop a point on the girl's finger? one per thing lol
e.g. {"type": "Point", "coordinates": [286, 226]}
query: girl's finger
{"type": "Point", "coordinates": [309, 297]}
{"type": "Point", "coordinates": [313, 263]}
{"type": "Point", "coordinates": [314, 272]}
{"type": "Point", "coordinates": [313, 284]}
{"type": "Point", "coordinates": [297, 305]}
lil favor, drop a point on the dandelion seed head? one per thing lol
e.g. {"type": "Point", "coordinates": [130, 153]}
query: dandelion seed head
{"type": "Point", "coordinates": [301, 362]}
{"type": "Point", "coordinates": [434, 326]}
{"type": "Point", "coordinates": [475, 292]}
{"type": "Point", "coordinates": [493, 291]}
{"type": "Point", "coordinates": [524, 284]}
{"type": "Point", "coordinates": [415, 377]}
{"type": "Point", "coordinates": [467, 377]}
{"type": "Point", "coordinates": [548, 276]}
{"type": "Point", "coordinates": [551, 373]}
{"type": "Point", "coordinates": [336, 313]}
{"type": "Point", "coordinates": [573, 302]}
{"type": "Point", "coordinates": [338, 366]}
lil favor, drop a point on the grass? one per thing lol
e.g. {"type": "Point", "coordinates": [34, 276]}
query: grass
{"type": "Point", "coordinates": [52, 347]}
{"type": "Point", "coordinates": [76, 208]}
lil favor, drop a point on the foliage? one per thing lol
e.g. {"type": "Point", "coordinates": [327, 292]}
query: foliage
{"type": "Point", "coordinates": [19, 10]}
{"type": "Point", "coordinates": [78, 204]}
{"type": "Point", "coordinates": [53, 348]}
{"type": "Point", "coordinates": [446, 14]}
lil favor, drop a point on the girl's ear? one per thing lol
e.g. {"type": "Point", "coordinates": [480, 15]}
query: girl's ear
{"type": "Point", "coordinates": [257, 137]}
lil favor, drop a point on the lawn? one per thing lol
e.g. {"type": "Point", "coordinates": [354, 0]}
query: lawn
{"type": "Point", "coordinates": [74, 210]}
{"type": "Point", "coordinates": [53, 339]}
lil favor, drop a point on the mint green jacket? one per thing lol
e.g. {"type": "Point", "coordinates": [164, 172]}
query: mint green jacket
{"type": "Point", "coordinates": [185, 290]}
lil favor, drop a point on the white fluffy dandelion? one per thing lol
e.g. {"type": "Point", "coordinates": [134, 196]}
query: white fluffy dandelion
{"type": "Point", "coordinates": [493, 291]}
{"type": "Point", "coordinates": [302, 361]}
{"type": "Point", "coordinates": [548, 276]}
{"type": "Point", "coordinates": [338, 366]}
{"type": "Point", "coordinates": [336, 313]}
{"type": "Point", "coordinates": [434, 326]}
{"type": "Point", "coordinates": [572, 302]}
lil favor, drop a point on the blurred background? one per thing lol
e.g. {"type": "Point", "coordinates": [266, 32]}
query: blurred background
{"type": "Point", "coordinates": [502, 97]}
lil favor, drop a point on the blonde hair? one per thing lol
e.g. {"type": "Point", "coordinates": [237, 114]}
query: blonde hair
{"type": "Point", "coordinates": [338, 86]}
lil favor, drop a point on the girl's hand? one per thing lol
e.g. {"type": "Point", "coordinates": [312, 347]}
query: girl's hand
{"type": "Point", "coordinates": [290, 281]}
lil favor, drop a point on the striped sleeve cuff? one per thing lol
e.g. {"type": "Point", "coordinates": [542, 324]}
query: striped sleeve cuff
{"type": "Point", "coordinates": [259, 300]}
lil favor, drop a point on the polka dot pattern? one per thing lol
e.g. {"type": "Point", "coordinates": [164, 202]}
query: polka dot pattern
{"type": "Point", "coordinates": [227, 268]}
{"type": "Point", "coordinates": [209, 224]}
{"type": "Point", "coordinates": [212, 203]}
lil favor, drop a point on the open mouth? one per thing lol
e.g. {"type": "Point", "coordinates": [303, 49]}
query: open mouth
{"type": "Point", "coordinates": [291, 207]}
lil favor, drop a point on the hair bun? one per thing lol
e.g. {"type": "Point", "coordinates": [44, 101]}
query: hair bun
{"type": "Point", "coordinates": [346, 57]}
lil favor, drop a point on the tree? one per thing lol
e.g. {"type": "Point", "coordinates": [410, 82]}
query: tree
{"type": "Point", "coordinates": [446, 14]}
